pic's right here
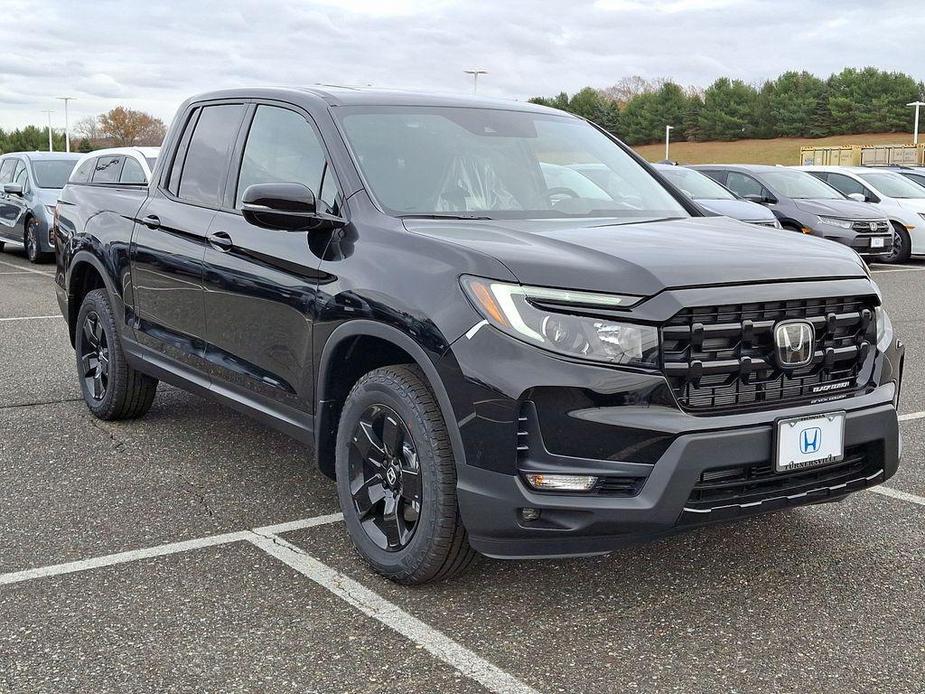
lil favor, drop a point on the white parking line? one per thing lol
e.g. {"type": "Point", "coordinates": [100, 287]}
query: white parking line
{"type": "Point", "coordinates": [27, 269]}
{"type": "Point", "coordinates": [898, 269]}
{"type": "Point", "coordinates": [374, 605]}
{"type": "Point", "coordinates": [910, 416]}
{"type": "Point", "coordinates": [896, 494]}
{"type": "Point", "coordinates": [7, 320]}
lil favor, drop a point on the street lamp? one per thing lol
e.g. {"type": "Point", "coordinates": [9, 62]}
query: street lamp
{"type": "Point", "coordinates": [915, 135]}
{"type": "Point", "coordinates": [668, 129]}
{"type": "Point", "coordinates": [67, 133]}
{"type": "Point", "coordinates": [475, 78]}
{"type": "Point", "coordinates": [50, 146]}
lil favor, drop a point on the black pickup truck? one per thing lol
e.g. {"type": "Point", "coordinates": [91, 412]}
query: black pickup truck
{"type": "Point", "coordinates": [490, 352]}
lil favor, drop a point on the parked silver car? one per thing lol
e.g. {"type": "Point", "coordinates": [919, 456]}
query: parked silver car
{"type": "Point", "coordinates": [30, 183]}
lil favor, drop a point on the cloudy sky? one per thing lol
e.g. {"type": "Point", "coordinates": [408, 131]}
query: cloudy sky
{"type": "Point", "coordinates": [151, 55]}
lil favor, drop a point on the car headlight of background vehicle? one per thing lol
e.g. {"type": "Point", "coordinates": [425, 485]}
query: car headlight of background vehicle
{"type": "Point", "coordinates": [836, 222]}
{"type": "Point", "coordinates": [549, 318]}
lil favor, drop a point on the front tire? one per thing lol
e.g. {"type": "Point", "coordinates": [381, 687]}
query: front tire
{"type": "Point", "coordinates": [111, 388]}
{"type": "Point", "coordinates": [31, 242]}
{"type": "Point", "coordinates": [902, 246]}
{"type": "Point", "coordinates": [396, 479]}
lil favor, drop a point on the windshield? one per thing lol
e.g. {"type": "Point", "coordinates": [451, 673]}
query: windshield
{"type": "Point", "coordinates": [468, 162]}
{"type": "Point", "coordinates": [800, 185]}
{"type": "Point", "coordinates": [52, 173]}
{"type": "Point", "coordinates": [893, 185]}
{"type": "Point", "coordinates": [695, 184]}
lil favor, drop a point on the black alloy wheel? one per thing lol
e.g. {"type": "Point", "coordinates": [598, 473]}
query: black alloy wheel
{"type": "Point", "coordinates": [94, 356]}
{"type": "Point", "coordinates": [385, 478]}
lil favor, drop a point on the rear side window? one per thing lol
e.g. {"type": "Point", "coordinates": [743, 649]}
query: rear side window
{"type": "Point", "coordinates": [132, 172]}
{"type": "Point", "coordinates": [108, 169]}
{"type": "Point", "coordinates": [82, 173]}
{"type": "Point", "coordinates": [206, 162]}
{"type": "Point", "coordinates": [6, 170]}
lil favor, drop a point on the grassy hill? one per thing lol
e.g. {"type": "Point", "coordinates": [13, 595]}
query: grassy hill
{"type": "Point", "coordinates": [784, 150]}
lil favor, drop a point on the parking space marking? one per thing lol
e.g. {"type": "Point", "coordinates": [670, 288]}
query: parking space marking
{"type": "Point", "coordinates": [898, 269]}
{"type": "Point", "coordinates": [896, 494]}
{"type": "Point", "coordinates": [391, 615]}
{"type": "Point", "coordinates": [7, 320]}
{"type": "Point", "coordinates": [911, 416]}
{"type": "Point", "coordinates": [28, 269]}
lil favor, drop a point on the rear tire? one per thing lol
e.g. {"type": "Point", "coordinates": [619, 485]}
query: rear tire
{"type": "Point", "coordinates": [111, 388]}
{"type": "Point", "coordinates": [30, 240]}
{"type": "Point", "coordinates": [902, 246]}
{"type": "Point", "coordinates": [396, 479]}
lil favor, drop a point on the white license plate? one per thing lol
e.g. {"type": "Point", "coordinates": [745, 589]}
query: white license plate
{"type": "Point", "coordinates": [805, 442]}
{"type": "Point", "coordinates": [877, 243]}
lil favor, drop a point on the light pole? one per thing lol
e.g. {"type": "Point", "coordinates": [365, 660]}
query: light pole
{"type": "Point", "coordinates": [915, 132]}
{"type": "Point", "coordinates": [67, 133]}
{"type": "Point", "coordinates": [50, 146]}
{"type": "Point", "coordinates": [475, 78]}
{"type": "Point", "coordinates": [668, 129]}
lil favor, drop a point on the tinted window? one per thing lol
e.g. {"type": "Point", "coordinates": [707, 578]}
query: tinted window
{"type": "Point", "coordinates": [695, 184]}
{"type": "Point", "coordinates": [52, 173]}
{"type": "Point", "coordinates": [799, 185]}
{"type": "Point", "coordinates": [281, 148]}
{"type": "Point", "coordinates": [82, 173]}
{"type": "Point", "coordinates": [6, 170]}
{"type": "Point", "coordinates": [19, 176]}
{"type": "Point", "coordinates": [207, 158]}
{"type": "Point", "coordinates": [108, 169]}
{"type": "Point", "coordinates": [744, 185]}
{"type": "Point", "coordinates": [841, 183]}
{"type": "Point", "coordinates": [132, 172]}
{"type": "Point", "coordinates": [151, 162]}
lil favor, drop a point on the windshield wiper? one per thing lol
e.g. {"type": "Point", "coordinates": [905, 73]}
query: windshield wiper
{"type": "Point", "coordinates": [442, 216]}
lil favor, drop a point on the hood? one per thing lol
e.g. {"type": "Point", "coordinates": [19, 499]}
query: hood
{"type": "Point", "coordinates": [846, 209]}
{"type": "Point", "coordinates": [47, 196]}
{"type": "Point", "coordinates": [912, 204]}
{"type": "Point", "coordinates": [645, 258]}
{"type": "Point", "coordinates": [745, 210]}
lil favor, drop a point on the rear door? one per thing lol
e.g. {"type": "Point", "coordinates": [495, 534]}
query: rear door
{"type": "Point", "coordinates": [8, 210]}
{"type": "Point", "coordinates": [19, 204]}
{"type": "Point", "coordinates": [261, 284]}
{"type": "Point", "coordinates": [170, 235]}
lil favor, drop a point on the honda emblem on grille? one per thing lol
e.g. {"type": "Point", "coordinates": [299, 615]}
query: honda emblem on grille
{"type": "Point", "coordinates": [794, 341]}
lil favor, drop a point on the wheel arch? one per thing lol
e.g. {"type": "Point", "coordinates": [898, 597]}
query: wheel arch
{"type": "Point", "coordinates": [338, 371]}
{"type": "Point", "coordinates": [86, 273]}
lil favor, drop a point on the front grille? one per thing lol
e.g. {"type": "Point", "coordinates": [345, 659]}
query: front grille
{"type": "Point", "coordinates": [736, 489]}
{"type": "Point", "coordinates": [722, 357]}
{"type": "Point", "coordinates": [879, 226]}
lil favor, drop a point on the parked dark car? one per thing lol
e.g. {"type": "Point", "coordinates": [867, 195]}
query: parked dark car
{"type": "Point", "coordinates": [484, 363]}
{"type": "Point", "coordinates": [803, 203]}
{"type": "Point", "coordinates": [29, 187]}
{"type": "Point", "coordinates": [715, 198]}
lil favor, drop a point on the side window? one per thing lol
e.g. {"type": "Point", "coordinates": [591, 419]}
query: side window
{"type": "Point", "coordinates": [283, 148]}
{"type": "Point", "coordinates": [6, 170]}
{"type": "Point", "coordinates": [718, 176]}
{"type": "Point", "coordinates": [108, 169]}
{"type": "Point", "coordinates": [846, 185]}
{"type": "Point", "coordinates": [744, 185]}
{"type": "Point", "coordinates": [19, 175]}
{"type": "Point", "coordinates": [82, 173]}
{"type": "Point", "coordinates": [207, 157]}
{"type": "Point", "coordinates": [132, 172]}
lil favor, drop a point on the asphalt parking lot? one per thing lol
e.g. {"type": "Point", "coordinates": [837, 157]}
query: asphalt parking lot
{"type": "Point", "coordinates": [196, 550]}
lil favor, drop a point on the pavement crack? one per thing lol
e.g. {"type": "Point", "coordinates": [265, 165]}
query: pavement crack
{"type": "Point", "coordinates": [38, 403]}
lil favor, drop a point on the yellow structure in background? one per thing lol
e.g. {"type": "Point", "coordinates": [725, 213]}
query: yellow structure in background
{"type": "Point", "coordinates": [831, 155]}
{"type": "Point", "coordinates": [863, 155]}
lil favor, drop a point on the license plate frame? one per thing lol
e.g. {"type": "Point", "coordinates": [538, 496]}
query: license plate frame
{"type": "Point", "coordinates": [829, 427]}
{"type": "Point", "coordinates": [878, 242]}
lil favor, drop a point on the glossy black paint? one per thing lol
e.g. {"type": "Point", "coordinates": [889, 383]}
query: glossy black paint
{"type": "Point", "coordinates": [279, 323]}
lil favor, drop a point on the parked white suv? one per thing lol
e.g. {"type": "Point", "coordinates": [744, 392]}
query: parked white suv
{"type": "Point", "coordinates": [899, 199]}
{"type": "Point", "coordinates": [116, 165]}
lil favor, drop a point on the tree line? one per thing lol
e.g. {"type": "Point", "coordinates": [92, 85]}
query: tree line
{"type": "Point", "coordinates": [795, 104]}
{"type": "Point", "coordinates": [120, 127]}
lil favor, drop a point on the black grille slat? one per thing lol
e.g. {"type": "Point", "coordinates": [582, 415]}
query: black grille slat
{"type": "Point", "coordinates": [722, 357]}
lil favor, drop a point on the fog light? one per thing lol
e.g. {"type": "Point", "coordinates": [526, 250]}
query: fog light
{"type": "Point", "coordinates": [561, 483]}
{"type": "Point", "coordinates": [530, 514]}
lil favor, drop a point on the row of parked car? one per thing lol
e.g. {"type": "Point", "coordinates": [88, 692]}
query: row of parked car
{"type": "Point", "coordinates": [879, 212]}
{"type": "Point", "coordinates": [30, 183]}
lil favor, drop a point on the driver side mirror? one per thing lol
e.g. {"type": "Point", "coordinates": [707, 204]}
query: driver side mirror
{"type": "Point", "coordinates": [12, 189]}
{"type": "Point", "coordinates": [859, 197]}
{"type": "Point", "coordinates": [289, 206]}
{"type": "Point", "coordinates": [760, 199]}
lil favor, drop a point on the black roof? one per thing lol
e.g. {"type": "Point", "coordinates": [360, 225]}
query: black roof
{"type": "Point", "coordinates": [356, 96]}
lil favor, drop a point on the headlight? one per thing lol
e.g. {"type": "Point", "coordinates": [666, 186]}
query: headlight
{"type": "Point", "coordinates": [836, 222]}
{"type": "Point", "coordinates": [883, 321]}
{"type": "Point", "coordinates": [547, 318]}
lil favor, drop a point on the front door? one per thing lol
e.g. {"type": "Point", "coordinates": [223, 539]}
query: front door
{"type": "Point", "coordinates": [169, 240]}
{"type": "Point", "coordinates": [261, 283]}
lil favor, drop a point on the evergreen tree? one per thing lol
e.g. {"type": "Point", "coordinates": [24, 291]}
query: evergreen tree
{"type": "Point", "coordinates": [728, 111]}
